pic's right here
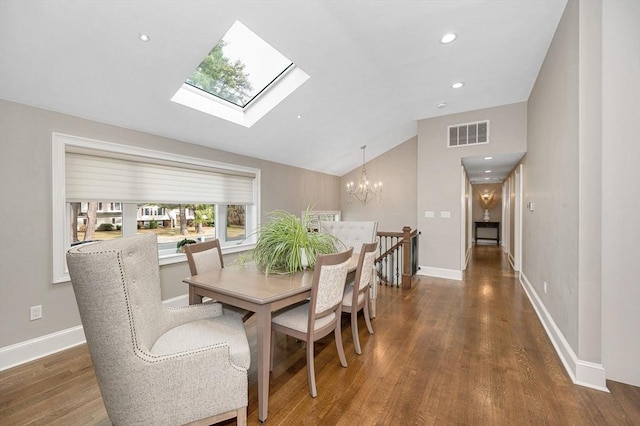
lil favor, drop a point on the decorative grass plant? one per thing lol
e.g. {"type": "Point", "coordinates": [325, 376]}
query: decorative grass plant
{"type": "Point", "coordinates": [284, 242]}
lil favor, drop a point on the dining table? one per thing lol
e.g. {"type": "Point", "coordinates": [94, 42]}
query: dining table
{"type": "Point", "coordinates": [246, 286]}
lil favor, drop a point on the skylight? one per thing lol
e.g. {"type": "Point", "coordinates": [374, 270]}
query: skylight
{"type": "Point", "coordinates": [241, 78]}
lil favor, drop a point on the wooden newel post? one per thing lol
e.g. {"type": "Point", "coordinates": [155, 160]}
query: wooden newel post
{"type": "Point", "coordinates": [406, 257]}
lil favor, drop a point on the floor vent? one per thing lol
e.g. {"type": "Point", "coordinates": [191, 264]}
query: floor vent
{"type": "Point", "coordinates": [468, 134]}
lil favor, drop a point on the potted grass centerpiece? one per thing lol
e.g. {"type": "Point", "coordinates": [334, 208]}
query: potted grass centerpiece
{"type": "Point", "coordinates": [287, 245]}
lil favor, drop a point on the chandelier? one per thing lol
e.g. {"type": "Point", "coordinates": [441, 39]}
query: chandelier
{"type": "Point", "coordinates": [363, 190]}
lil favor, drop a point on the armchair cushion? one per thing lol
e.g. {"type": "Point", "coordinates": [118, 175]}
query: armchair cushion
{"type": "Point", "coordinates": [222, 330]}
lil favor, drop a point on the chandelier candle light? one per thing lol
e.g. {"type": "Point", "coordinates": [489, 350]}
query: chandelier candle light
{"type": "Point", "coordinates": [364, 188]}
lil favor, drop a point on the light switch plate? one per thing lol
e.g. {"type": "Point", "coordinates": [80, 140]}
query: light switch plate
{"type": "Point", "coordinates": [429, 214]}
{"type": "Point", "coordinates": [445, 215]}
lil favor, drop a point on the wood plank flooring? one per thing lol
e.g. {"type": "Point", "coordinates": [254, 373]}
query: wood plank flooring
{"type": "Point", "coordinates": [444, 353]}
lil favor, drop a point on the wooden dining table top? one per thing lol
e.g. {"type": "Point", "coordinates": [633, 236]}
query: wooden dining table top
{"type": "Point", "coordinates": [248, 282]}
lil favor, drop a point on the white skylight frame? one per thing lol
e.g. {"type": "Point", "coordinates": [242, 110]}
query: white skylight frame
{"type": "Point", "coordinates": [257, 107]}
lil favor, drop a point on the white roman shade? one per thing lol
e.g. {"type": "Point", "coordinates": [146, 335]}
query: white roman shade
{"type": "Point", "coordinates": [101, 178]}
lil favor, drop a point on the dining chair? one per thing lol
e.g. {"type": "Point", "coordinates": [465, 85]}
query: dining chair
{"type": "Point", "coordinates": [149, 357]}
{"type": "Point", "coordinates": [356, 294]}
{"type": "Point", "coordinates": [320, 315]}
{"type": "Point", "coordinates": [354, 234]}
{"type": "Point", "coordinates": [207, 256]}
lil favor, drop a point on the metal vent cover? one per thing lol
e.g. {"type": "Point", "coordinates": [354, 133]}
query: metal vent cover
{"type": "Point", "coordinates": [468, 134]}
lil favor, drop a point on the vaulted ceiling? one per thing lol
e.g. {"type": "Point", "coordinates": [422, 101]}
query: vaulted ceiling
{"type": "Point", "coordinates": [376, 67]}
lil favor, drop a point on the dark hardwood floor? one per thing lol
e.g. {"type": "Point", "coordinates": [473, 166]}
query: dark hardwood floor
{"type": "Point", "coordinates": [444, 353]}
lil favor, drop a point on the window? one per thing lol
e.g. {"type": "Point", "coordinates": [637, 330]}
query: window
{"type": "Point", "coordinates": [236, 223]}
{"type": "Point", "coordinates": [147, 191]}
{"type": "Point", "coordinates": [239, 67]}
{"type": "Point", "coordinates": [241, 79]}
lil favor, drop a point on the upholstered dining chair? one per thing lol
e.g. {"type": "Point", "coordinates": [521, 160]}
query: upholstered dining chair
{"type": "Point", "coordinates": [155, 364]}
{"type": "Point", "coordinates": [319, 316]}
{"type": "Point", "coordinates": [354, 234]}
{"type": "Point", "coordinates": [356, 294]}
{"type": "Point", "coordinates": [207, 256]}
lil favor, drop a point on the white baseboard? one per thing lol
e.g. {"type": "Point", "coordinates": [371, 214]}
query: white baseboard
{"type": "Point", "coordinates": [450, 274]}
{"type": "Point", "coordinates": [23, 352]}
{"type": "Point", "coordinates": [583, 373]}
{"type": "Point", "coordinates": [182, 300]}
{"type": "Point", "coordinates": [30, 350]}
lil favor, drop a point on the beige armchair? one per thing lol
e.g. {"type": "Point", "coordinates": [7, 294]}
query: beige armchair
{"type": "Point", "coordinates": [155, 364]}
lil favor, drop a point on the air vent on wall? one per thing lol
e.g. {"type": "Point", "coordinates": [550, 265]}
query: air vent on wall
{"type": "Point", "coordinates": [468, 134]}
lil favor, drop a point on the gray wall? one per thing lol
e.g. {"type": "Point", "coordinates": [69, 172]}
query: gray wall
{"type": "Point", "coordinates": [396, 205]}
{"type": "Point", "coordinates": [550, 232]}
{"type": "Point", "coordinates": [581, 173]}
{"type": "Point", "coordinates": [621, 191]}
{"type": "Point", "coordinates": [25, 211]}
{"type": "Point", "coordinates": [439, 176]}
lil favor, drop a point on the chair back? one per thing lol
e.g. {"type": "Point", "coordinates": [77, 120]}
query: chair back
{"type": "Point", "coordinates": [351, 233]}
{"type": "Point", "coordinates": [203, 257]}
{"type": "Point", "coordinates": [328, 283]}
{"type": "Point", "coordinates": [117, 289]}
{"type": "Point", "coordinates": [365, 267]}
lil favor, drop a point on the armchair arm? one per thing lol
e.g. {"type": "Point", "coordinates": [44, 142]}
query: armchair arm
{"type": "Point", "coordinates": [203, 381]}
{"type": "Point", "coordinates": [183, 314]}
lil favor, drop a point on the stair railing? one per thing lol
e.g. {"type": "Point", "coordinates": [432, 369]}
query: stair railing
{"type": "Point", "coordinates": [397, 259]}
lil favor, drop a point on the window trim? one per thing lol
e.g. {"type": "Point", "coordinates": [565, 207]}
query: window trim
{"type": "Point", "coordinates": [59, 214]}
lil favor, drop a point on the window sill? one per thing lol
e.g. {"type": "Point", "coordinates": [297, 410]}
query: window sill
{"type": "Point", "coordinates": [167, 258]}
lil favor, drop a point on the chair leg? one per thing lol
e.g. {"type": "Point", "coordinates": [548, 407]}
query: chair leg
{"type": "Point", "coordinates": [338, 336]}
{"type": "Point", "coordinates": [354, 331]}
{"type": "Point", "coordinates": [242, 416]}
{"type": "Point", "coordinates": [367, 317]}
{"type": "Point", "coordinates": [311, 370]}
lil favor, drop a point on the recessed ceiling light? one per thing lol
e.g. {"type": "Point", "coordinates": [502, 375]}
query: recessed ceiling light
{"type": "Point", "coordinates": [299, 117]}
{"type": "Point", "coordinates": [144, 37]}
{"type": "Point", "coordinates": [457, 85]}
{"type": "Point", "coordinates": [488, 158]}
{"type": "Point", "coordinates": [441, 105]}
{"type": "Point", "coordinates": [487, 178]}
{"type": "Point", "coordinates": [448, 38]}
{"type": "Point", "coordinates": [487, 171]}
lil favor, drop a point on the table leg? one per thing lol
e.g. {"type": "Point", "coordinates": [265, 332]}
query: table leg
{"type": "Point", "coordinates": [264, 363]}
{"type": "Point", "coordinates": [194, 298]}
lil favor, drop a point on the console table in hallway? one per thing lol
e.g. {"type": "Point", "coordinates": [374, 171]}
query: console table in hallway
{"type": "Point", "coordinates": [495, 225]}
